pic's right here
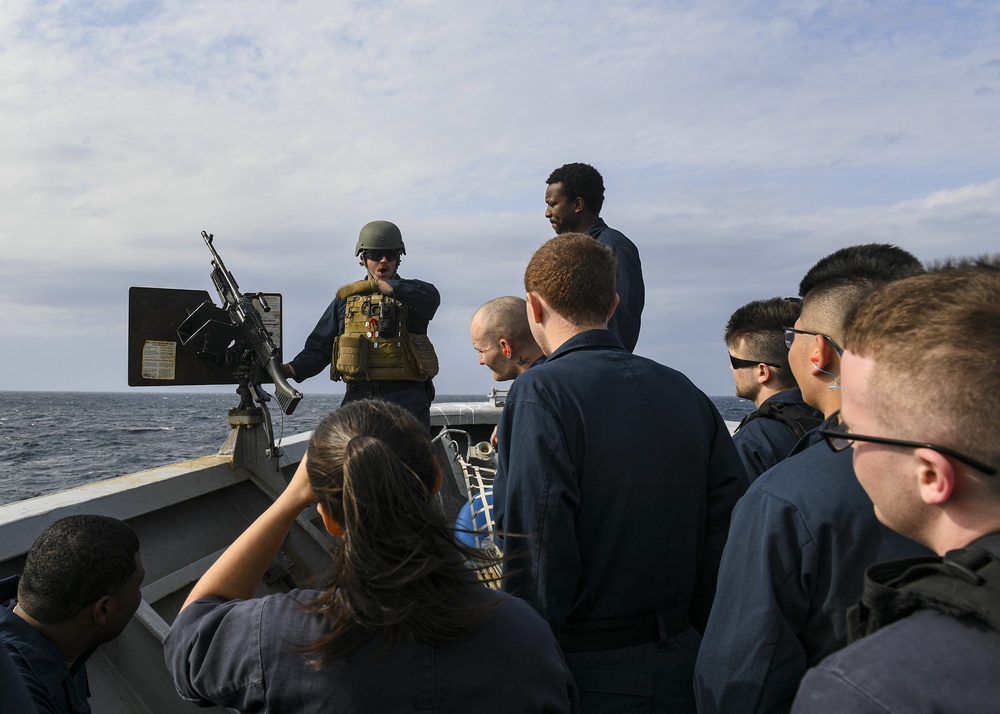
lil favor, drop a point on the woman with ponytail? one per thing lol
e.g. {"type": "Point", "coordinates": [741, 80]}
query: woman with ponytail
{"type": "Point", "coordinates": [401, 624]}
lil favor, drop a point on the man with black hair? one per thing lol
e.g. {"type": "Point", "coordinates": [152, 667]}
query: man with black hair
{"type": "Point", "coordinates": [574, 197]}
{"type": "Point", "coordinates": [79, 589]}
{"type": "Point", "coordinates": [926, 449]}
{"type": "Point", "coordinates": [755, 335]}
{"type": "Point", "coordinates": [804, 532]}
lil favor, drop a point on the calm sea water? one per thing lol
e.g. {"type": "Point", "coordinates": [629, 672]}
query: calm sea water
{"type": "Point", "coordinates": [51, 441]}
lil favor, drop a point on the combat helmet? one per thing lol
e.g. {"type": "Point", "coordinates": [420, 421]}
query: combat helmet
{"type": "Point", "coordinates": [380, 235]}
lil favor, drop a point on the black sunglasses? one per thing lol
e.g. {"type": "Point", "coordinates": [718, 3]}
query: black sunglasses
{"type": "Point", "coordinates": [378, 255]}
{"type": "Point", "coordinates": [790, 337]}
{"type": "Point", "coordinates": [742, 363]}
{"type": "Point", "coordinates": [838, 438]}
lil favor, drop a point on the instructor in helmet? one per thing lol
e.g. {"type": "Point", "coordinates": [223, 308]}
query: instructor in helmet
{"type": "Point", "coordinates": [374, 334]}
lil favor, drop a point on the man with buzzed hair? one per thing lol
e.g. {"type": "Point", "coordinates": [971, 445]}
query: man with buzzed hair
{"type": "Point", "coordinates": [621, 475]}
{"type": "Point", "coordinates": [503, 339]}
{"type": "Point", "coordinates": [79, 589]}
{"type": "Point", "coordinates": [573, 198]}
{"type": "Point", "coordinates": [755, 335]}
{"type": "Point", "coordinates": [926, 449]}
{"type": "Point", "coordinates": [804, 533]}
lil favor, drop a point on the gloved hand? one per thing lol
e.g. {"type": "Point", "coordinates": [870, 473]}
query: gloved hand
{"type": "Point", "coordinates": [361, 287]}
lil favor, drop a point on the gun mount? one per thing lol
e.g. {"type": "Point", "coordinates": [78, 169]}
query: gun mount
{"type": "Point", "coordinates": [180, 337]}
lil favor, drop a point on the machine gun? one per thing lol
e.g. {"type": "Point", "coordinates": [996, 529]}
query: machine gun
{"type": "Point", "coordinates": [235, 335]}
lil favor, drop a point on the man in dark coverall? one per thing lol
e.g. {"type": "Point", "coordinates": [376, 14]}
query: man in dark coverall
{"type": "Point", "coordinates": [79, 589]}
{"type": "Point", "coordinates": [573, 198]}
{"type": "Point", "coordinates": [804, 533]}
{"type": "Point", "coordinates": [759, 360]}
{"type": "Point", "coordinates": [621, 476]}
{"type": "Point", "coordinates": [919, 415]}
{"type": "Point", "coordinates": [376, 329]}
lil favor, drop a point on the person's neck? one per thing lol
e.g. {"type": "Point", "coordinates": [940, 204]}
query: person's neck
{"type": "Point", "coordinates": [65, 636]}
{"type": "Point", "coordinates": [586, 222]}
{"type": "Point", "coordinates": [961, 522]}
{"type": "Point", "coordinates": [562, 331]}
{"type": "Point", "coordinates": [822, 398]}
{"type": "Point", "coordinates": [525, 360]}
{"type": "Point", "coordinates": [766, 393]}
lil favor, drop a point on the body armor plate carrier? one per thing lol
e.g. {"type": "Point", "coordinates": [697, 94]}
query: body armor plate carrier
{"type": "Point", "coordinates": [376, 346]}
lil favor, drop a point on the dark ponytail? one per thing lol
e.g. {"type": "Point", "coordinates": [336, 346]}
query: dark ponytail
{"type": "Point", "coordinates": [398, 574]}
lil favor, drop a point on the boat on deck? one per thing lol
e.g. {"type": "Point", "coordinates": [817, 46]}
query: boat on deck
{"type": "Point", "coordinates": [186, 514]}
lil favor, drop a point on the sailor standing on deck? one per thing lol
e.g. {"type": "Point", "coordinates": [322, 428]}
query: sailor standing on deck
{"type": "Point", "coordinates": [574, 195]}
{"type": "Point", "coordinates": [374, 334]}
{"type": "Point", "coordinates": [621, 476]}
{"type": "Point", "coordinates": [755, 336]}
{"type": "Point", "coordinates": [503, 339]}
{"type": "Point", "coordinates": [926, 449]}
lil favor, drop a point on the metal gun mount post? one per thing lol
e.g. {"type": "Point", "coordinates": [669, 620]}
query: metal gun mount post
{"type": "Point", "coordinates": [250, 443]}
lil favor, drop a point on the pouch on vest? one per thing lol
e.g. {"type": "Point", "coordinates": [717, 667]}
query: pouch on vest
{"type": "Point", "coordinates": [425, 356]}
{"type": "Point", "coordinates": [350, 357]}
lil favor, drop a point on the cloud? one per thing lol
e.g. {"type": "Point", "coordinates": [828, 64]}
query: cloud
{"type": "Point", "coordinates": [739, 142]}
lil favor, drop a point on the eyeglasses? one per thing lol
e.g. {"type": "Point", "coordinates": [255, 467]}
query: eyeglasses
{"type": "Point", "coordinates": [838, 438]}
{"type": "Point", "coordinates": [790, 337]}
{"type": "Point", "coordinates": [377, 255]}
{"type": "Point", "coordinates": [742, 363]}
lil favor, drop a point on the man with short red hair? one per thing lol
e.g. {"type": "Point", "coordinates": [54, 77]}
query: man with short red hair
{"type": "Point", "coordinates": [621, 476]}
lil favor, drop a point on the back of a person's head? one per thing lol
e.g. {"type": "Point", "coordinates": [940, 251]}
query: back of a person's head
{"type": "Point", "coordinates": [359, 430]}
{"type": "Point", "coordinates": [580, 181]}
{"type": "Point", "coordinates": [837, 282]}
{"type": "Point", "coordinates": [398, 572]}
{"type": "Point", "coordinates": [867, 265]}
{"type": "Point", "coordinates": [505, 317]}
{"type": "Point", "coordinates": [934, 341]}
{"type": "Point", "coordinates": [759, 329]}
{"type": "Point", "coordinates": [74, 562]}
{"type": "Point", "coordinates": [575, 275]}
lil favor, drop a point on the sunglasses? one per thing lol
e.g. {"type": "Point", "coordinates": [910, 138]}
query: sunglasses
{"type": "Point", "coordinates": [742, 363]}
{"type": "Point", "coordinates": [838, 438]}
{"type": "Point", "coordinates": [790, 333]}
{"type": "Point", "coordinates": [377, 255]}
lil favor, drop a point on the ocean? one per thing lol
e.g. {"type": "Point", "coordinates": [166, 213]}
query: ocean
{"type": "Point", "coordinates": [52, 441]}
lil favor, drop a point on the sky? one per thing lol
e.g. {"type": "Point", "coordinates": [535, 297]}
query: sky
{"type": "Point", "coordinates": [739, 142]}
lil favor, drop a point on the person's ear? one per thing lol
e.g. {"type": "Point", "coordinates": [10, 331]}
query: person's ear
{"type": "Point", "coordinates": [614, 306]}
{"type": "Point", "coordinates": [936, 477]}
{"type": "Point", "coordinates": [819, 354]}
{"type": "Point", "coordinates": [506, 348]}
{"type": "Point", "coordinates": [331, 524]}
{"type": "Point", "coordinates": [101, 610]}
{"type": "Point", "coordinates": [536, 308]}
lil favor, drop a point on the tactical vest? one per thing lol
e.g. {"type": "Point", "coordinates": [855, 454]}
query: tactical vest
{"type": "Point", "coordinates": [795, 418]}
{"type": "Point", "coordinates": [376, 345]}
{"type": "Point", "coordinates": [964, 583]}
